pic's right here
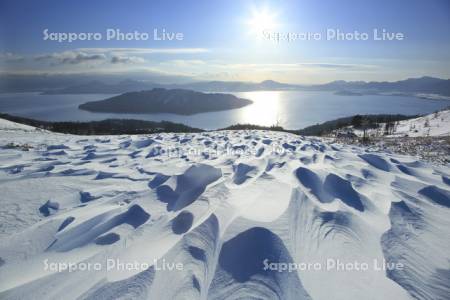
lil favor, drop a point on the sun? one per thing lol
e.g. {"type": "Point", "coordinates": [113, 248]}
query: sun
{"type": "Point", "coordinates": [261, 20]}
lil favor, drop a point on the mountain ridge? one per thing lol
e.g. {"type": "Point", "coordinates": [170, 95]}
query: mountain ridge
{"type": "Point", "coordinates": [411, 86]}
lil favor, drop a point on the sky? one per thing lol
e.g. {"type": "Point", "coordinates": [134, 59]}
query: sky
{"type": "Point", "coordinates": [230, 40]}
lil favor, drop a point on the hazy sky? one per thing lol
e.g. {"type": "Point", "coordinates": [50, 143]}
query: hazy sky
{"type": "Point", "coordinates": [223, 40]}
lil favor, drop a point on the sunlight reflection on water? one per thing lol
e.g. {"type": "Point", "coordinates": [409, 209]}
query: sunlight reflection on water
{"type": "Point", "coordinates": [265, 109]}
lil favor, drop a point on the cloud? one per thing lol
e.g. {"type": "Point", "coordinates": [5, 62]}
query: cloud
{"type": "Point", "coordinates": [127, 60]}
{"type": "Point", "coordinates": [112, 55]}
{"type": "Point", "coordinates": [299, 66]}
{"type": "Point", "coordinates": [71, 57]}
{"type": "Point", "coordinates": [11, 57]}
{"type": "Point", "coordinates": [295, 66]}
{"type": "Point", "coordinates": [144, 50]}
{"type": "Point", "coordinates": [338, 66]}
{"type": "Point", "coordinates": [185, 62]}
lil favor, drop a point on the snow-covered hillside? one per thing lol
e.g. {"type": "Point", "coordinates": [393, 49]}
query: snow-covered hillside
{"type": "Point", "coordinates": [8, 125]}
{"type": "Point", "coordinates": [436, 124]}
{"type": "Point", "coordinates": [218, 215]}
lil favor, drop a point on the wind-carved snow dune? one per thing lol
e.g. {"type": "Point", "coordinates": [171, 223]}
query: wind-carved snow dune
{"type": "Point", "coordinates": [224, 206]}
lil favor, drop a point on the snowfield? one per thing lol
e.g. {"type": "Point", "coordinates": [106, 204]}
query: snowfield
{"type": "Point", "coordinates": [432, 125]}
{"type": "Point", "coordinates": [218, 215]}
{"type": "Point", "coordinates": [436, 124]}
{"type": "Point", "coordinates": [426, 138]}
{"type": "Point", "coordinates": [8, 125]}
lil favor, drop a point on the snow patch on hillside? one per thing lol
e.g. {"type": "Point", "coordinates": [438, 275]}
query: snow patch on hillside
{"type": "Point", "coordinates": [8, 125]}
{"type": "Point", "coordinates": [436, 124]}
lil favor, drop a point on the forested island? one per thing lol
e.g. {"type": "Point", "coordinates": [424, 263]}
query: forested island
{"type": "Point", "coordinates": [160, 100]}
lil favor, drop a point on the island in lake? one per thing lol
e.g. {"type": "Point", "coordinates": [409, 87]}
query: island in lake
{"type": "Point", "coordinates": [160, 100]}
{"type": "Point", "coordinates": [347, 93]}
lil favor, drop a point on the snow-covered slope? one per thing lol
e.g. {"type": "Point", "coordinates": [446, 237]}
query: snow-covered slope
{"type": "Point", "coordinates": [224, 206]}
{"type": "Point", "coordinates": [8, 125]}
{"type": "Point", "coordinates": [436, 124]}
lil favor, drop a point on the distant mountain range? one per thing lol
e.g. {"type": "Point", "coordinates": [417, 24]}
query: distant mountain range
{"type": "Point", "coordinates": [426, 86]}
{"type": "Point", "coordinates": [422, 85]}
{"type": "Point", "coordinates": [98, 87]}
{"type": "Point", "coordinates": [160, 100]}
{"type": "Point", "coordinates": [411, 86]}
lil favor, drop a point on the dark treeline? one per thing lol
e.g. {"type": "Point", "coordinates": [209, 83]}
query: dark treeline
{"type": "Point", "coordinates": [132, 126]}
{"type": "Point", "coordinates": [104, 127]}
{"type": "Point", "coordinates": [358, 121]}
{"type": "Point", "coordinates": [253, 127]}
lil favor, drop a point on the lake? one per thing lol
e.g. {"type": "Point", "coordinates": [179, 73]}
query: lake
{"type": "Point", "coordinates": [290, 109]}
